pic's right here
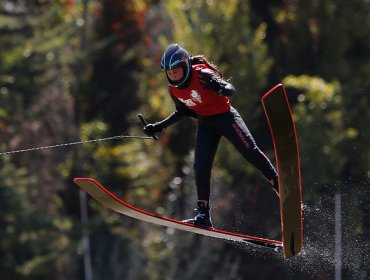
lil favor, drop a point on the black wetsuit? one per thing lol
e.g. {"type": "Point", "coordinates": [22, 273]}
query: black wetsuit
{"type": "Point", "coordinates": [210, 130]}
{"type": "Point", "coordinates": [232, 127]}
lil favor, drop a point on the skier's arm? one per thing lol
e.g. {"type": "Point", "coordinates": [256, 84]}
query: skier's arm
{"type": "Point", "coordinates": [180, 112]}
{"type": "Point", "coordinates": [213, 81]}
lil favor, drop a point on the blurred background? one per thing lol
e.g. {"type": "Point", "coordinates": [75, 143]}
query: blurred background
{"type": "Point", "coordinates": [75, 70]}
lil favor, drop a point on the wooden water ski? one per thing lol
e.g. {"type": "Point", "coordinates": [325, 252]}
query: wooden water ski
{"type": "Point", "coordinates": [278, 113]}
{"type": "Point", "coordinates": [101, 194]}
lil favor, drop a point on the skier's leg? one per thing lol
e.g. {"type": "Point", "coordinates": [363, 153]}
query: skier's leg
{"type": "Point", "coordinates": [205, 150]}
{"type": "Point", "coordinates": [239, 135]}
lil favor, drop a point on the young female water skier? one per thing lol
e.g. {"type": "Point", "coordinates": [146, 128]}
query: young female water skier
{"type": "Point", "coordinates": [199, 90]}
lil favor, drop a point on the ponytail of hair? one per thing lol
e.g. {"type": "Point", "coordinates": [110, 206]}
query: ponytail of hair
{"type": "Point", "coordinates": [201, 59]}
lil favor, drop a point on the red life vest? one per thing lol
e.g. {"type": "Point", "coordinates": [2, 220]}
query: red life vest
{"type": "Point", "coordinates": [203, 102]}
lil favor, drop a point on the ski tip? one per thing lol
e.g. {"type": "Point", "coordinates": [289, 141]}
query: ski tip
{"type": "Point", "coordinates": [78, 179]}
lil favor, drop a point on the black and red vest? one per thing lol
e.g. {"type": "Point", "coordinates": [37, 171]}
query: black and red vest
{"type": "Point", "coordinates": [203, 102]}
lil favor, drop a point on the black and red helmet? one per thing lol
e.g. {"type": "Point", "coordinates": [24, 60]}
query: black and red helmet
{"type": "Point", "coordinates": [176, 56]}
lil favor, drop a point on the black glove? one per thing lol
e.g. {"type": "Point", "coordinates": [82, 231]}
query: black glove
{"type": "Point", "coordinates": [212, 81]}
{"type": "Point", "coordinates": [152, 128]}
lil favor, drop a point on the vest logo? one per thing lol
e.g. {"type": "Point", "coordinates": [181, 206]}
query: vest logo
{"type": "Point", "coordinates": [195, 98]}
{"type": "Point", "coordinates": [188, 102]}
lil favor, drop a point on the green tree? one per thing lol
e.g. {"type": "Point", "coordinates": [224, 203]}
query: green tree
{"type": "Point", "coordinates": [36, 110]}
{"type": "Point", "coordinates": [26, 226]}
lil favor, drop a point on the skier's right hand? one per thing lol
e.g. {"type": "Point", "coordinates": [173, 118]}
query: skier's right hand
{"type": "Point", "coordinates": [152, 128]}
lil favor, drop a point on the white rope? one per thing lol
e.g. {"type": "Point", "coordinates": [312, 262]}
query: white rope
{"type": "Point", "coordinates": [86, 141]}
{"type": "Point", "coordinates": [74, 143]}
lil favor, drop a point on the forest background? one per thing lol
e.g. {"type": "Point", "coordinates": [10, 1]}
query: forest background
{"type": "Point", "coordinates": [74, 70]}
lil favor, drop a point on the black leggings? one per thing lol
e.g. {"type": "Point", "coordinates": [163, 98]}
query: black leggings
{"type": "Point", "coordinates": [231, 126]}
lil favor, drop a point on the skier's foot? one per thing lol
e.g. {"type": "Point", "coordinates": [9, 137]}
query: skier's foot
{"type": "Point", "coordinates": [202, 217]}
{"type": "Point", "coordinates": [275, 186]}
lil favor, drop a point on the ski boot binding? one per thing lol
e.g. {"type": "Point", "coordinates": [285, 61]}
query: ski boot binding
{"type": "Point", "coordinates": [202, 216]}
